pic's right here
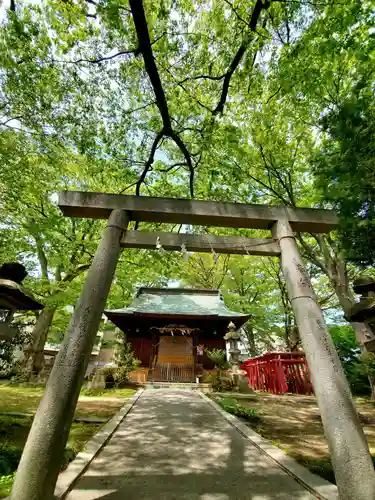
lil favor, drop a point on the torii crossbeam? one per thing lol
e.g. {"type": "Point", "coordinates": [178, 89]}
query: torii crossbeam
{"type": "Point", "coordinates": [196, 212]}
{"type": "Point", "coordinates": [239, 245]}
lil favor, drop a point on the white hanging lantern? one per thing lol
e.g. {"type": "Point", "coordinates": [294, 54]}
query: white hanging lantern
{"type": "Point", "coordinates": [215, 257]}
{"type": "Point", "coordinates": [158, 244]}
{"type": "Point", "coordinates": [184, 252]}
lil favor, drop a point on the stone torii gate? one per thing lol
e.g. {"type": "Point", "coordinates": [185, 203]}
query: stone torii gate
{"type": "Point", "coordinates": [42, 455]}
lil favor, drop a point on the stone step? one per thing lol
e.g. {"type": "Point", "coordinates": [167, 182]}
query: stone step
{"type": "Point", "coordinates": [179, 385]}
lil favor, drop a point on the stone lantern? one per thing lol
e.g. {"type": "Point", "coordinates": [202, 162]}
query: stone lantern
{"type": "Point", "coordinates": [233, 337]}
{"type": "Point", "coordinates": [13, 297]}
{"type": "Point", "coordinates": [364, 310]}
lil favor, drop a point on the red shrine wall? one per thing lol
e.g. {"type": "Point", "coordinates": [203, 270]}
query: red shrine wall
{"type": "Point", "coordinates": [142, 349]}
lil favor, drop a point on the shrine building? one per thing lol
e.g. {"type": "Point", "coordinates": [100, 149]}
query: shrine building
{"type": "Point", "coordinates": [169, 329]}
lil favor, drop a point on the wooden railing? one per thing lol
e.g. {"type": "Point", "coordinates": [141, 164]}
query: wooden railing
{"type": "Point", "coordinates": [167, 372]}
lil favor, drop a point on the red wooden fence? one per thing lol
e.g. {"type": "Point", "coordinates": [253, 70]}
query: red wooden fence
{"type": "Point", "coordinates": [279, 372]}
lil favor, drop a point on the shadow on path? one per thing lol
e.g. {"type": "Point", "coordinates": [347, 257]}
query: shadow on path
{"type": "Point", "coordinates": [173, 445]}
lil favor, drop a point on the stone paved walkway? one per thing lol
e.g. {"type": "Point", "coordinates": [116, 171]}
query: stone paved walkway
{"type": "Point", "coordinates": [175, 446]}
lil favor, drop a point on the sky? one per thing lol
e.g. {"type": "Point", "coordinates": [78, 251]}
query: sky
{"type": "Point", "coordinates": [4, 5]}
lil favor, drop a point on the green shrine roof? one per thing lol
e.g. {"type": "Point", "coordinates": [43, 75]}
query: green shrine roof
{"type": "Point", "coordinates": [179, 302]}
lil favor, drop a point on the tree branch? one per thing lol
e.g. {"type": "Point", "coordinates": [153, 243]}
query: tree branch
{"type": "Point", "coordinates": [41, 256]}
{"type": "Point", "coordinates": [11, 119]}
{"type": "Point", "coordinates": [272, 169]}
{"type": "Point", "coordinates": [273, 95]}
{"type": "Point", "coordinates": [175, 165]}
{"type": "Point", "coordinates": [284, 184]}
{"type": "Point", "coordinates": [326, 299]}
{"type": "Point", "coordinates": [235, 11]}
{"type": "Point", "coordinates": [202, 77]}
{"type": "Point", "coordinates": [58, 272]}
{"type": "Point", "coordinates": [180, 144]}
{"type": "Point", "coordinates": [73, 274]}
{"type": "Point", "coordinates": [268, 187]}
{"type": "Point", "coordinates": [180, 84]}
{"type": "Point", "coordinates": [149, 162]}
{"type": "Point", "coordinates": [101, 59]}
{"type": "Point", "coordinates": [225, 270]}
{"type": "Point", "coordinates": [258, 7]}
{"type": "Point", "coordinates": [310, 254]}
{"type": "Point", "coordinates": [145, 48]}
{"type": "Point", "coordinates": [128, 187]}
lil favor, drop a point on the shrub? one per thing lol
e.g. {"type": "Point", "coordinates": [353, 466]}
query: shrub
{"type": "Point", "coordinates": [321, 466]}
{"type": "Point", "coordinates": [368, 361]}
{"type": "Point", "coordinates": [9, 458]}
{"type": "Point", "coordinates": [6, 483]}
{"type": "Point", "coordinates": [69, 456]}
{"type": "Point", "coordinates": [93, 392]}
{"type": "Point", "coordinates": [232, 406]}
{"type": "Point", "coordinates": [109, 374]}
{"type": "Point", "coordinates": [214, 380]}
{"type": "Point", "coordinates": [219, 358]}
{"type": "Point", "coordinates": [125, 360]}
{"type": "Point", "coordinates": [358, 367]}
{"type": "Point", "coordinates": [8, 348]}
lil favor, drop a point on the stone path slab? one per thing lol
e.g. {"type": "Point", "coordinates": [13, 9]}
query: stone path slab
{"type": "Point", "coordinates": [174, 446]}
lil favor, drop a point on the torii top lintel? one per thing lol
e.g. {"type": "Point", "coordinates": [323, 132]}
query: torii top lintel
{"type": "Point", "coordinates": [196, 212]}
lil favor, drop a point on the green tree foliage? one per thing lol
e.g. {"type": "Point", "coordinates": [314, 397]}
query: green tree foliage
{"type": "Point", "coordinates": [125, 360]}
{"type": "Point", "coordinates": [355, 364]}
{"type": "Point", "coordinates": [345, 172]}
{"type": "Point", "coordinates": [249, 101]}
{"type": "Point", "coordinates": [325, 68]}
{"type": "Point", "coordinates": [255, 286]}
{"type": "Point", "coordinates": [246, 288]}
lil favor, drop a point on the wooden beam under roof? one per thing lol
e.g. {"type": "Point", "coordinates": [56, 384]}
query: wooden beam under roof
{"type": "Point", "coordinates": [196, 212]}
{"type": "Point", "coordinates": [202, 243]}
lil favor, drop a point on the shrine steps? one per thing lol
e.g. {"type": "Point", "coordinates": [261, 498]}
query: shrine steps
{"type": "Point", "coordinates": [179, 385]}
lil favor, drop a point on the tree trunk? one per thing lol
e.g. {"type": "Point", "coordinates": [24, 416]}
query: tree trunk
{"type": "Point", "coordinates": [371, 379]}
{"type": "Point", "coordinates": [295, 339]}
{"type": "Point", "coordinates": [287, 330]}
{"type": "Point", "coordinates": [347, 300]}
{"type": "Point", "coordinates": [36, 357]}
{"type": "Point", "coordinates": [331, 262]}
{"type": "Point", "coordinates": [336, 272]}
{"type": "Point", "coordinates": [335, 268]}
{"type": "Point", "coordinates": [249, 331]}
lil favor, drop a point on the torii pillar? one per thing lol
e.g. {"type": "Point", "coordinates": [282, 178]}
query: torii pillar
{"type": "Point", "coordinates": [354, 470]}
{"type": "Point", "coordinates": [42, 456]}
